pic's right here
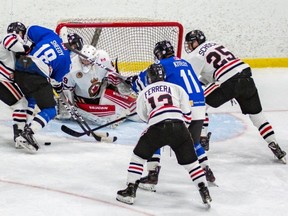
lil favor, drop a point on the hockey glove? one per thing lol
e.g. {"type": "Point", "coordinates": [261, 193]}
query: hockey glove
{"type": "Point", "coordinates": [27, 50]}
{"type": "Point", "coordinates": [58, 87]}
{"type": "Point", "coordinates": [129, 80]}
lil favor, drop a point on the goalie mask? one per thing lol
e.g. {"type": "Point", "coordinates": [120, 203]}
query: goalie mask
{"type": "Point", "coordinates": [89, 56]}
{"type": "Point", "coordinates": [155, 73]}
{"type": "Point", "coordinates": [195, 35]}
{"type": "Point", "coordinates": [17, 27]}
{"type": "Point", "coordinates": [163, 49]}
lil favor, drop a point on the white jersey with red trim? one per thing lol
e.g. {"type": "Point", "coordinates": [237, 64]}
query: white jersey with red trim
{"type": "Point", "coordinates": [10, 44]}
{"type": "Point", "coordinates": [214, 63]}
{"type": "Point", "coordinates": [161, 101]}
{"type": "Point", "coordinates": [84, 84]}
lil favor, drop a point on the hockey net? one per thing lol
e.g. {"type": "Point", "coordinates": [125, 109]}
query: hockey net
{"type": "Point", "coordinates": [130, 41]}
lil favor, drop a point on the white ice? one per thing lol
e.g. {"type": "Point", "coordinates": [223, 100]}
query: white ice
{"type": "Point", "coordinates": [80, 177]}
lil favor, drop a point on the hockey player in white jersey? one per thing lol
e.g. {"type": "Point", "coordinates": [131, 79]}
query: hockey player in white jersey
{"type": "Point", "coordinates": [227, 77]}
{"type": "Point", "coordinates": [166, 109]}
{"type": "Point", "coordinates": [11, 45]}
{"type": "Point", "coordinates": [94, 88]}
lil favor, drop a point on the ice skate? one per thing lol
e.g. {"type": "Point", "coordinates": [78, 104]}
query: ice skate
{"type": "Point", "coordinates": [277, 151]}
{"type": "Point", "coordinates": [204, 192]}
{"type": "Point", "coordinates": [210, 178]}
{"type": "Point", "coordinates": [204, 141]}
{"type": "Point", "coordinates": [16, 132]}
{"type": "Point", "coordinates": [128, 195]}
{"type": "Point", "coordinates": [27, 141]}
{"type": "Point", "coordinates": [150, 181]}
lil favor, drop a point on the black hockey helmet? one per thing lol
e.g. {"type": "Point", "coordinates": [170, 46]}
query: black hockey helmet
{"type": "Point", "coordinates": [75, 40]}
{"type": "Point", "coordinates": [193, 35]}
{"type": "Point", "coordinates": [155, 73]}
{"type": "Point", "coordinates": [16, 27]}
{"type": "Point", "coordinates": [163, 49]}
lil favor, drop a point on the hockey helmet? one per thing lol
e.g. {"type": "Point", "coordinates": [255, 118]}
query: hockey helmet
{"type": "Point", "coordinates": [191, 36]}
{"type": "Point", "coordinates": [89, 53]}
{"type": "Point", "coordinates": [155, 73]}
{"type": "Point", "coordinates": [16, 27]}
{"type": "Point", "coordinates": [163, 49]}
{"type": "Point", "coordinates": [75, 40]}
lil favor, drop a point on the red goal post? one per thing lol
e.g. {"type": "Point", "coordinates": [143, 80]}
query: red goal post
{"type": "Point", "coordinates": [130, 41]}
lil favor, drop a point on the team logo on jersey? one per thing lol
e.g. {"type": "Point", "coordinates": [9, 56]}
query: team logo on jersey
{"type": "Point", "coordinates": [79, 75]}
{"type": "Point", "coordinates": [94, 88]}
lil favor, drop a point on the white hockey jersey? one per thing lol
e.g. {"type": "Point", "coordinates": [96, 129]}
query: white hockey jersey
{"type": "Point", "coordinates": [10, 44]}
{"type": "Point", "coordinates": [79, 82]}
{"type": "Point", "coordinates": [214, 63]}
{"type": "Point", "coordinates": [162, 100]}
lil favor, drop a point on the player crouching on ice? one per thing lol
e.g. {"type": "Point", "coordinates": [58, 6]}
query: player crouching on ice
{"type": "Point", "coordinates": [166, 109]}
{"type": "Point", "coordinates": [95, 87]}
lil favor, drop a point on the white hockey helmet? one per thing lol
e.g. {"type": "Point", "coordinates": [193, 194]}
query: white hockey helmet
{"type": "Point", "coordinates": [89, 52]}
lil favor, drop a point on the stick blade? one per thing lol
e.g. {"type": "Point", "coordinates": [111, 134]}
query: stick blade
{"type": "Point", "coordinates": [71, 132]}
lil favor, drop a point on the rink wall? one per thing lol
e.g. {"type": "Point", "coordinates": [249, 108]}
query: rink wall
{"type": "Point", "coordinates": [254, 30]}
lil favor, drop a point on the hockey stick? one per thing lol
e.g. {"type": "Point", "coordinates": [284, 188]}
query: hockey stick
{"type": "Point", "coordinates": [82, 123]}
{"type": "Point", "coordinates": [74, 133]}
{"type": "Point", "coordinates": [121, 77]}
{"type": "Point", "coordinates": [67, 45]}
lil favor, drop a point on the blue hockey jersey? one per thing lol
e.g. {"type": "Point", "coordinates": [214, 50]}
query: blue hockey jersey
{"type": "Point", "coordinates": [48, 51]}
{"type": "Point", "coordinates": [179, 72]}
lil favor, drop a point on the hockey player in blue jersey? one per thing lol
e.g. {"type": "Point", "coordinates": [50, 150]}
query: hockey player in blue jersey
{"type": "Point", "coordinates": [179, 72]}
{"type": "Point", "coordinates": [48, 59]}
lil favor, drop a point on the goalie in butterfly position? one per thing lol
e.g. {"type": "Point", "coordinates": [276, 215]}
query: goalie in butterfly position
{"type": "Point", "coordinates": [166, 109]}
{"type": "Point", "coordinates": [95, 87]}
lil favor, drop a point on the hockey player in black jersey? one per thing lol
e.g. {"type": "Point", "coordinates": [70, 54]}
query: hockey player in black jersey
{"type": "Point", "coordinates": [166, 109]}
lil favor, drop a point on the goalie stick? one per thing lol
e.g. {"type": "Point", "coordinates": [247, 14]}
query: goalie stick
{"type": "Point", "coordinates": [74, 133]}
{"type": "Point", "coordinates": [82, 123]}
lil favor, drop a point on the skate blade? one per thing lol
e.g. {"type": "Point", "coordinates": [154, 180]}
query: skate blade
{"type": "Point", "coordinates": [126, 200]}
{"type": "Point", "coordinates": [283, 160]}
{"type": "Point", "coordinates": [148, 187]}
{"type": "Point", "coordinates": [17, 146]}
{"type": "Point", "coordinates": [26, 146]}
{"type": "Point", "coordinates": [207, 205]}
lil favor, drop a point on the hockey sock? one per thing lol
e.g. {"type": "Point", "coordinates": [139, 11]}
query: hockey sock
{"type": "Point", "coordinates": [135, 169]}
{"type": "Point", "coordinates": [196, 173]}
{"type": "Point", "coordinates": [264, 127]}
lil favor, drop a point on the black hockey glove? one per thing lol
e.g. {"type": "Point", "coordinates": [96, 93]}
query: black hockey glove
{"type": "Point", "coordinates": [26, 52]}
{"type": "Point", "coordinates": [131, 79]}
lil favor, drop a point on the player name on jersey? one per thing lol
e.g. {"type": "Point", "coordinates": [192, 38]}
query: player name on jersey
{"type": "Point", "coordinates": [160, 88]}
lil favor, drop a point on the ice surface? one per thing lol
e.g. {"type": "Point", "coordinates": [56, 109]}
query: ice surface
{"type": "Point", "coordinates": [80, 177]}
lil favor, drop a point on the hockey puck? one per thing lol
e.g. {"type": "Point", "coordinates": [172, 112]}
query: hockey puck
{"type": "Point", "coordinates": [47, 143]}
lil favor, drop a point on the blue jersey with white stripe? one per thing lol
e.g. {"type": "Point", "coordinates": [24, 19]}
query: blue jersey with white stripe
{"type": "Point", "coordinates": [179, 72]}
{"type": "Point", "coordinates": [48, 48]}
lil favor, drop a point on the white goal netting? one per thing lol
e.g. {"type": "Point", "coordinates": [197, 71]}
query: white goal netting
{"type": "Point", "coordinates": [130, 41]}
